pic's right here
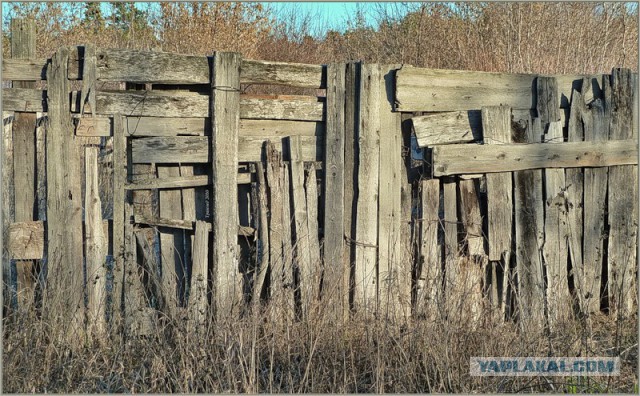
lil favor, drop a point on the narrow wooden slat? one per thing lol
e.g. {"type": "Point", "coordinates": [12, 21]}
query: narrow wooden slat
{"type": "Point", "coordinates": [27, 100]}
{"type": "Point", "coordinates": [447, 128]}
{"type": "Point", "coordinates": [25, 240]}
{"type": "Point", "coordinates": [596, 129]}
{"type": "Point", "coordinates": [421, 89]}
{"type": "Point", "coordinates": [274, 168]}
{"type": "Point", "coordinates": [89, 87]}
{"type": "Point", "coordinates": [41, 167]}
{"type": "Point", "coordinates": [249, 147]}
{"type": "Point", "coordinates": [315, 272]}
{"type": "Point", "coordinates": [198, 307]}
{"type": "Point", "coordinates": [280, 109]}
{"type": "Point", "coordinates": [462, 158]}
{"type": "Point", "coordinates": [119, 181]}
{"type": "Point", "coordinates": [471, 217]}
{"type": "Point", "coordinates": [288, 295]}
{"type": "Point", "coordinates": [278, 73]}
{"type": "Point", "coordinates": [8, 201]}
{"type": "Point", "coordinates": [623, 198]}
{"type": "Point", "coordinates": [95, 244]}
{"type": "Point", "coordinates": [64, 207]}
{"type": "Point", "coordinates": [334, 193]}
{"type": "Point", "coordinates": [394, 278]}
{"type": "Point", "coordinates": [225, 114]}
{"type": "Point", "coordinates": [429, 276]}
{"type": "Point", "coordinates": [529, 226]}
{"type": "Point", "coordinates": [366, 236]}
{"type": "Point", "coordinates": [164, 150]}
{"type": "Point", "coordinates": [169, 182]}
{"type": "Point", "coordinates": [264, 246]}
{"type": "Point", "coordinates": [280, 128]}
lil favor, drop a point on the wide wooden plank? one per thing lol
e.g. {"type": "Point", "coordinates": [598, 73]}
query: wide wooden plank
{"type": "Point", "coordinates": [8, 200]}
{"type": "Point", "coordinates": [366, 238]}
{"type": "Point", "coordinates": [280, 128]}
{"type": "Point", "coordinates": [25, 240]}
{"type": "Point", "coordinates": [93, 126]}
{"type": "Point", "coordinates": [225, 123]}
{"type": "Point", "coordinates": [623, 201]}
{"type": "Point", "coordinates": [281, 109]}
{"type": "Point", "coordinates": [596, 129]}
{"type": "Point", "coordinates": [429, 275]}
{"type": "Point", "coordinates": [394, 273]}
{"type": "Point", "coordinates": [24, 69]}
{"type": "Point", "coordinates": [447, 128]}
{"type": "Point", "coordinates": [419, 89]}
{"type": "Point", "coordinates": [334, 292]}
{"type": "Point", "coordinates": [163, 150]}
{"type": "Point", "coordinates": [529, 226]}
{"type": "Point", "coordinates": [41, 167]}
{"type": "Point", "coordinates": [95, 244]}
{"type": "Point", "coordinates": [27, 100]}
{"type": "Point", "coordinates": [280, 73]}
{"type": "Point", "coordinates": [64, 207]}
{"type": "Point", "coordinates": [463, 158]}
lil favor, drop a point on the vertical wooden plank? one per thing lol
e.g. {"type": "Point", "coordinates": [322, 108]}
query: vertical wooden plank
{"type": "Point", "coordinates": [7, 203]}
{"type": "Point", "coordinates": [263, 246]}
{"type": "Point", "coordinates": [95, 245]}
{"type": "Point", "coordinates": [119, 180]}
{"type": "Point", "coordinates": [529, 217]}
{"type": "Point", "coordinates": [351, 125]}
{"type": "Point", "coordinates": [623, 201]}
{"type": "Point", "coordinates": [64, 299]}
{"type": "Point", "coordinates": [335, 293]}
{"type": "Point", "coordinates": [300, 230]}
{"type": "Point", "coordinates": [225, 121]}
{"type": "Point", "coordinates": [596, 129]}
{"type": "Point", "coordinates": [496, 126]}
{"type": "Point", "coordinates": [555, 234]}
{"type": "Point", "coordinates": [88, 91]}
{"type": "Point", "coordinates": [23, 46]}
{"type": "Point", "coordinates": [274, 170]}
{"type": "Point", "coordinates": [41, 167]}
{"type": "Point", "coordinates": [311, 185]}
{"type": "Point", "coordinates": [288, 301]}
{"type": "Point", "coordinates": [188, 213]}
{"type": "Point", "coordinates": [368, 149]}
{"type": "Point", "coordinates": [199, 276]}
{"type": "Point", "coordinates": [429, 277]}
{"type": "Point", "coordinates": [394, 272]}
{"type": "Point", "coordinates": [451, 251]}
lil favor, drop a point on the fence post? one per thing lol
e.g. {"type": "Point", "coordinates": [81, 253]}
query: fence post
{"type": "Point", "coordinates": [225, 122]}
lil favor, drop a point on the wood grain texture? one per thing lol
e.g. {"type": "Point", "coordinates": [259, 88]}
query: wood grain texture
{"type": "Point", "coordinates": [27, 100]}
{"type": "Point", "coordinates": [460, 159]}
{"type": "Point", "coordinates": [8, 201]}
{"type": "Point", "coordinates": [448, 128]}
{"type": "Point", "coordinates": [290, 109]}
{"type": "Point", "coordinates": [264, 246]}
{"type": "Point", "coordinates": [24, 69]}
{"type": "Point", "coordinates": [366, 238]}
{"type": "Point", "coordinates": [198, 305]}
{"type": "Point", "coordinates": [279, 73]}
{"type": "Point", "coordinates": [315, 272]}
{"type": "Point", "coordinates": [64, 207]}
{"type": "Point", "coordinates": [452, 263]}
{"type": "Point", "coordinates": [118, 237]}
{"type": "Point", "coordinates": [25, 240]}
{"type": "Point", "coordinates": [622, 194]}
{"type": "Point", "coordinates": [88, 91]}
{"type": "Point", "coordinates": [93, 126]}
{"type": "Point", "coordinates": [274, 168]}
{"type": "Point", "coordinates": [471, 218]}
{"type": "Point", "coordinates": [429, 276]}
{"type": "Point", "coordinates": [225, 123]}
{"type": "Point", "coordinates": [41, 167]}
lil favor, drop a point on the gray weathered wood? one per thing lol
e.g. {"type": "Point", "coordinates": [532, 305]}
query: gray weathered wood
{"type": "Point", "coordinates": [264, 246]}
{"type": "Point", "coordinates": [452, 267]}
{"type": "Point", "coordinates": [366, 237]}
{"type": "Point", "coordinates": [448, 128]}
{"type": "Point", "coordinates": [280, 128]}
{"type": "Point", "coordinates": [429, 276]}
{"type": "Point", "coordinates": [315, 273]}
{"type": "Point", "coordinates": [225, 122]}
{"type": "Point", "coordinates": [288, 302]}
{"type": "Point", "coordinates": [8, 199]}
{"type": "Point", "coordinates": [462, 158]}
{"type": "Point", "coordinates": [529, 226]}
{"type": "Point", "coordinates": [547, 99]}
{"type": "Point", "coordinates": [41, 167]}
{"type": "Point", "coordinates": [420, 89]}
{"type": "Point", "coordinates": [334, 193]}
{"type": "Point", "coordinates": [471, 218]}
{"type": "Point", "coordinates": [274, 168]}
{"type": "Point", "coordinates": [89, 87]}
{"type": "Point", "coordinates": [25, 240]}
{"type": "Point", "coordinates": [93, 126]}
{"type": "Point", "coordinates": [623, 200]}
{"type": "Point", "coordinates": [596, 129]}
{"type": "Point", "coordinates": [27, 100]}
{"type": "Point", "coordinates": [24, 69]}
{"type": "Point", "coordinates": [300, 109]}
{"type": "Point", "coordinates": [198, 306]}
{"type": "Point", "coordinates": [64, 298]}
{"type": "Point", "coordinates": [95, 244]}
{"type": "Point", "coordinates": [394, 278]}
{"type": "Point", "coordinates": [119, 181]}
{"type": "Point", "coordinates": [279, 73]}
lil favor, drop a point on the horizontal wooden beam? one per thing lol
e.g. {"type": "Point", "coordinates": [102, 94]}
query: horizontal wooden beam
{"type": "Point", "coordinates": [472, 159]}
{"type": "Point", "coordinates": [195, 149]}
{"type": "Point", "coordinates": [24, 99]}
{"type": "Point", "coordinates": [184, 224]}
{"type": "Point", "coordinates": [419, 89]}
{"type": "Point", "coordinates": [448, 128]}
{"type": "Point", "coordinates": [180, 182]}
{"type": "Point", "coordinates": [168, 68]}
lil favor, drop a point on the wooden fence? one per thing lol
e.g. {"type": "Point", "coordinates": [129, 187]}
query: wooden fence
{"type": "Point", "coordinates": [395, 191]}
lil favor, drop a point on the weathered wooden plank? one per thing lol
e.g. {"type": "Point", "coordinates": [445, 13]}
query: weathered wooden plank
{"type": "Point", "coordinates": [315, 273]}
{"type": "Point", "coordinates": [366, 240]}
{"type": "Point", "coordinates": [547, 99]}
{"type": "Point", "coordinates": [452, 267]}
{"type": "Point", "coordinates": [225, 114]}
{"type": "Point", "coordinates": [23, 44]}
{"type": "Point", "coordinates": [95, 244]}
{"type": "Point", "coordinates": [463, 158]}
{"type": "Point", "coordinates": [334, 194]}
{"type": "Point", "coordinates": [8, 201]}
{"type": "Point", "coordinates": [64, 290]}
{"type": "Point", "coordinates": [280, 128]}
{"type": "Point", "coordinates": [471, 218]}
{"type": "Point", "coordinates": [167, 126]}
{"type": "Point", "coordinates": [290, 109]}
{"type": "Point", "coordinates": [274, 168]}
{"type": "Point", "coordinates": [88, 96]}
{"type": "Point", "coordinates": [198, 306]}
{"type": "Point", "coordinates": [279, 73]}
{"type": "Point", "coordinates": [93, 126]}
{"type": "Point", "coordinates": [301, 227]}
{"type": "Point", "coordinates": [394, 278]}
{"type": "Point", "coordinates": [429, 275]}
{"type": "Point", "coordinates": [623, 201]}
{"type": "Point", "coordinates": [596, 129]}
{"type": "Point", "coordinates": [24, 69]}
{"type": "Point", "coordinates": [25, 240]}
{"type": "Point", "coordinates": [529, 226]}
{"type": "Point", "coordinates": [264, 246]}
{"type": "Point", "coordinates": [419, 89]}
{"type": "Point", "coordinates": [448, 128]}
{"type": "Point", "coordinates": [27, 100]}
{"type": "Point", "coordinates": [41, 167]}
{"type": "Point", "coordinates": [288, 294]}
{"type": "Point", "coordinates": [119, 181]}
{"type": "Point", "coordinates": [249, 147]}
